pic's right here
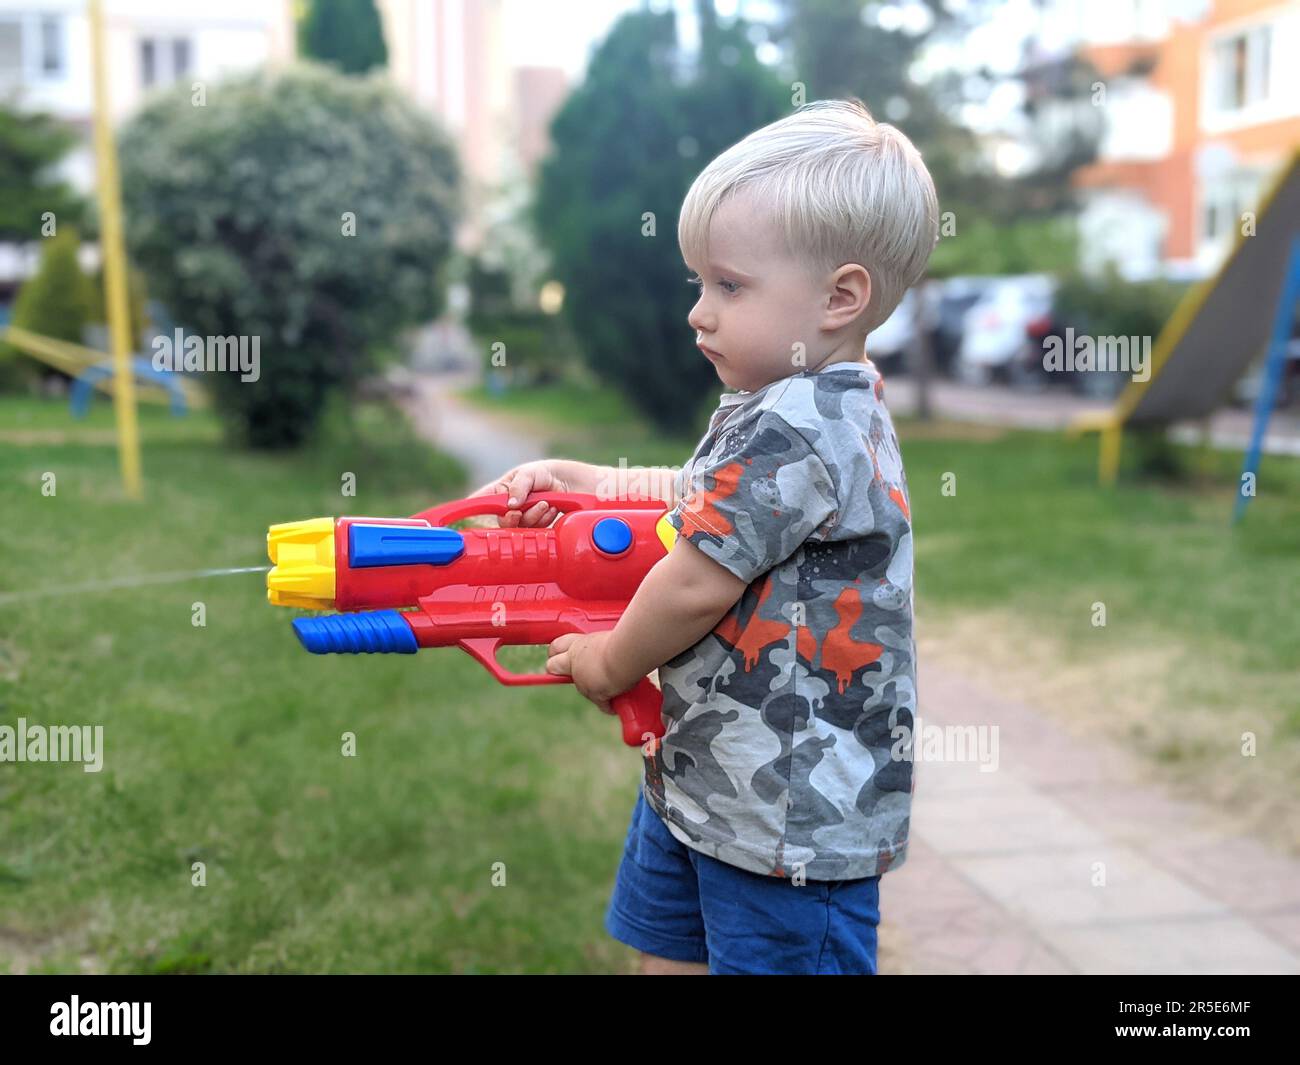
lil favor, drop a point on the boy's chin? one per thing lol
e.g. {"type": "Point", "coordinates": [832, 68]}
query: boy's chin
{"type": "Point", "coordinates": [740, 382]}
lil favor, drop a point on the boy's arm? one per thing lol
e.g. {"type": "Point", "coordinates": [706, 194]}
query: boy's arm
{"type": "Point", "coordinates": [677, 604]}
{"type": "Point", "coordinates": [642, 482]}
{"type": "Point", "coordinates": [750, 509]}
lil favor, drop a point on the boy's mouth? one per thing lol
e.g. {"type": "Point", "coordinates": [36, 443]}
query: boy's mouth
{"type": "Point", "coordinates": [708, 352]}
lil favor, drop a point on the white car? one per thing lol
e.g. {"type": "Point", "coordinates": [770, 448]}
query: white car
{"type": "Point", "coordinates": [889, 343]}
{"type": "Point", "coordinates": [993, 330]}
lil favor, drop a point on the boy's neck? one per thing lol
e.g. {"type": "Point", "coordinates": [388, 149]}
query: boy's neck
{"type": "Point", "coordinates": [851, 349]}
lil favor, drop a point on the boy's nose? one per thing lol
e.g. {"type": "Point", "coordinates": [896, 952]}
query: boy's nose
{"type": "Point", "coordinates": [698, 319]}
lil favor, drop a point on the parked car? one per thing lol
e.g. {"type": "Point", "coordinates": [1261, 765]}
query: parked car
{"type": "Point", "coordinates": [1247, 390]}
{"type": "Point", "coordinates": [889, 343]}
{"type": "Point", "coordinates": [1028, 372]}
{"type": "Point", "coordinates": [957, 295]}
{"type": "Point", "coordinates": [994, 328]}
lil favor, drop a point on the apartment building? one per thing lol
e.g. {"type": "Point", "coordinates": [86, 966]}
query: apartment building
{"type": "Point", "coordinates": [452, 58]}
{"type": "Point", "coordinates": [45, 65]}
{"type": "Point", "coordinates": [45, 57]}
{"type": "Point", "coordinates": [1201, 100]}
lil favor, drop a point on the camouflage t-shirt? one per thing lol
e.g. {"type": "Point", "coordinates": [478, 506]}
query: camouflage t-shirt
{"type": "Point", "coordinates": [777, 751]}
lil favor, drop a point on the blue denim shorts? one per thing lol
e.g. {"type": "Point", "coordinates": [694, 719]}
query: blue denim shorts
{"type": "Point", "coordinates": [674, 902]}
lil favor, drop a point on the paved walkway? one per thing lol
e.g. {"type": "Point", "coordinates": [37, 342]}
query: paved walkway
{"type": "Point", "coordinates": [1060, 861]}
{"type": "Point", "coordinates": [487, 444]}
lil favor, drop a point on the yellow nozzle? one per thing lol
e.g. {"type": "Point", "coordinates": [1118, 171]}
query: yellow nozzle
{"type": "Point", "coordinates": [303, 556]}
{"type": "Point", "coordinates": [667, 534]}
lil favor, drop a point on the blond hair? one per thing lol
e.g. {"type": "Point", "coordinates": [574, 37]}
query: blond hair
{"type": "Point", "coordinates": [841, 187]}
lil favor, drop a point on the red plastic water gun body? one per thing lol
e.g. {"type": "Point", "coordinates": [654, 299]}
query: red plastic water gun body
{"type": "Point", "coordinates": [416, 582]}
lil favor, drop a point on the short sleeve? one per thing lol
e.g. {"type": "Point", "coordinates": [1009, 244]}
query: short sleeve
{"type": "Point", "coordinates": [751, 503]}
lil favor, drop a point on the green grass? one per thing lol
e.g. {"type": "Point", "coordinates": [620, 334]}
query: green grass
{"type": "Point", "coordinates": [222, 743]}
{"type": "Point", "coordinates": [581, 421]}
{"type": "Point", "coordinates": [587, 405]}
{"type": "Point", "coordinates": [24, 416]}
{"type": "Point", "coordinates": [1029, 533]}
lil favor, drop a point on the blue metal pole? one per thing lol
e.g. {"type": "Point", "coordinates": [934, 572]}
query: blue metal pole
{"type": "Point", "coordinates": [1267, 397]}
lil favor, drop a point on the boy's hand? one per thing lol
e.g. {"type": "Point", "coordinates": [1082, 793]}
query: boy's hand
{"type": "Point", "coordinates": [518, 483]}
{"type": "Point", "coordinates": [583, 659]}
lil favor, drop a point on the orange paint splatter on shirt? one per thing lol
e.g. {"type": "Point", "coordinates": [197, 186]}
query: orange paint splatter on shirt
{"type": "Point", "coordinates": [840, 652]}
{"type": "Point", "coordinates": [896, 494]}
{"type": "Point", "coordinates": [758, 633]}
{"type": "Point", "coordinates": [700, 514]}
{"type": "Point", "coordinates": [893, 491]}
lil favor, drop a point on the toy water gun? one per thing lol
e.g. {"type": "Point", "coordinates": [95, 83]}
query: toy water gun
{"type": "Point", "coordinates": [416, 582]}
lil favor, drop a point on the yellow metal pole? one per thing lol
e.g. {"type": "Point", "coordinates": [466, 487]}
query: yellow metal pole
{"type": "Point", "coordinates": [1112, 437]}
{"type": "Point", "coordinates": [110, 244]}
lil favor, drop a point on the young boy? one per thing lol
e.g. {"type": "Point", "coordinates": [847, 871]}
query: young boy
{"type": "Point", "coordinates": [781, 620]}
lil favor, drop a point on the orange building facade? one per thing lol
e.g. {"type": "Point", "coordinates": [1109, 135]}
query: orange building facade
{"type": "Point", "coordinates": [1202, 109]}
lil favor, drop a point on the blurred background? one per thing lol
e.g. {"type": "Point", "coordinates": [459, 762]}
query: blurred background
{"type": "Point", "coordinates": [451, 227]}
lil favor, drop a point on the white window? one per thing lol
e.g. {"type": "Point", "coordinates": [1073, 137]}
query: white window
{"type": "Point", "coordinates": [51, 46]}
{"type": "Point", "coordinates": [32, 49]}
{"type": "Point", "coordinates": [1225, 197]}
{"type": "Point", "coordinates": [1240, 69]}
{"type": "Point", "coordinates": [164, 60]}
{"type": "Point", "coordinates": [1139, 121]}
{"type": "Point", "coordinates": [11, 50]}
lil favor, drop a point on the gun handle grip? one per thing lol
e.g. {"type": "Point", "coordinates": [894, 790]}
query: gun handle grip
{"type": "Point", "coordinates": [640, 709]}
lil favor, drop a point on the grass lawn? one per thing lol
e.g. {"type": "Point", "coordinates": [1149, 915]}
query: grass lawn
{"type": "Point", "coordinates": [222, 743]}
{"type": "Point", "coordinates": [591, 423]}
{"type": "Point", "coordinates": [1201, 636]}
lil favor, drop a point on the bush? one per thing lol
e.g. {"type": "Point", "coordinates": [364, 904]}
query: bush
{"type": "Point", "coordinates": [627, 144]}
{"type": "Point", "coordinates": [309, 209]}
{"type": "Point", "coordinates": [1111, 306]}
{"type": "Point", "coordinates": [983, 245]}
{"type": "Point", "coordinates": [538, 348]}
{"type": "Point", "coordinates": [54, 302]}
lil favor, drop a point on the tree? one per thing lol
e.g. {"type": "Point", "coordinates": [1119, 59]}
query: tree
{"type": "Point", "coordinates": [857, 48]}
{"type": "Point", "coordinates": [347, 34]}
{"type": "Point", "coordinates": [840, 48]}
{"type": "Point", "coordinates": [627, 144]}
{"type": "Point", "coordinates": [30, 144]}
{"type": "Point", "coordinates": [309, 209]}
{"type": "Point", "coordinates": [54, 302]}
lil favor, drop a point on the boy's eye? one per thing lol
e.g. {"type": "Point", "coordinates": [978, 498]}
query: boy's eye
{"type": "Point", "coordinates": [730, 287]}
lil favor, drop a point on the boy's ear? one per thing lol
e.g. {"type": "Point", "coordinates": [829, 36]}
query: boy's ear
{"type": "Point", "coordinates": [850, 292]}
